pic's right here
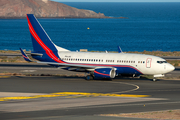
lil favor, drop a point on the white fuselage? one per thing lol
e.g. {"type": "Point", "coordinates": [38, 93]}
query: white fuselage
{"type": "Point", "coordinates": [146, 64]}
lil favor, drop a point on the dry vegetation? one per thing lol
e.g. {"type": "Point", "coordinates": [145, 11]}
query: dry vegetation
{"type": "Point", "coordinates": [17, 59]}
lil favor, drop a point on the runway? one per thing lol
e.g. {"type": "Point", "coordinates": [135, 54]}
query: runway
{"type": "Point", "coordinates": [73, 98]}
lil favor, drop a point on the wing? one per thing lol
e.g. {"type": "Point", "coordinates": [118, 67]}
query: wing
{"type": "Point", "coordinates": [75, 65]}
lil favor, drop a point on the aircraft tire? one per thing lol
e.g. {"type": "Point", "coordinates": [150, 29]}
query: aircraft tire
{"type": "Point", "coordinates": [89, 77]}
{"type": "Point", "coordinates": [154, 79]}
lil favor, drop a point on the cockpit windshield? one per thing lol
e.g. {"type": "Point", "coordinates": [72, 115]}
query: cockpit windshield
{"type": "Point", "coordinates": [160, 62]}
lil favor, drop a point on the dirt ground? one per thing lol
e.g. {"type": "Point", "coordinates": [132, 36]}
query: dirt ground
{"type": "Point", "coordinates": [162, 115]}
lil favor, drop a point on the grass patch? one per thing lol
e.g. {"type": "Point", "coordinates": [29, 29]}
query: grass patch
{"type": "Point", "coordinates": [174, 62]}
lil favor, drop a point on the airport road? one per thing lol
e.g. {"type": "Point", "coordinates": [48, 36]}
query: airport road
{"type": "Point", "coordinates": [73, 98]}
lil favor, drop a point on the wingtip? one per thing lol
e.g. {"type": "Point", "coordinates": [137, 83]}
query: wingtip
{"type": "Point", "coordinates": [26, 58]}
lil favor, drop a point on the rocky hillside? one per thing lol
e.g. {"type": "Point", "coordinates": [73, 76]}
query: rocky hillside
{"type": "Point", "coordinates": [43, 8]}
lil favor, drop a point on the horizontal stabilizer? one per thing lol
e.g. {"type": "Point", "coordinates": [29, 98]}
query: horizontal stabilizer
{"type": "Point", "coordinates": [36, 54]}
{"type": "Point", "coordinates": [25, 56]}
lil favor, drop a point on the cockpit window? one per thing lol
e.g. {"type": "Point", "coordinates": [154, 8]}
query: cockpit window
{"type": "Point", "coordinates": [160, 62]}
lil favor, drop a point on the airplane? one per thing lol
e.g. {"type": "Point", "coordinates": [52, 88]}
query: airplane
{"type": "Point", "coordinates": [98, 65]}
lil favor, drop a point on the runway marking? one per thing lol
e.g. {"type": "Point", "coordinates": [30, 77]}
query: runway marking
{"type": "Point", "coordinates": [28, 70]}
{"type": "Point", "coordinates": [29, 97]}
{"type": "Point", "coordinates": [71, 95]}
{"type": "Point", "coordinates": [4, 76]}
{"type": "Point", "coordinates": [137, 87]}
{"type": "Point", "coordinates": [101, 94]}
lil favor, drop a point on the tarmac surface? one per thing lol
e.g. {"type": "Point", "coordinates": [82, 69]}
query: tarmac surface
{"type": "Point", "coordinates": [74, 98]}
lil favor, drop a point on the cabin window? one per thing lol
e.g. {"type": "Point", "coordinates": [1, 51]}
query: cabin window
{"type": "Point", "coordinates": [160, 62]}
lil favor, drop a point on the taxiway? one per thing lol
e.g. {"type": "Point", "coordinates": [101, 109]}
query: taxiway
{"type": "Point", "coordinates": [74, 98]}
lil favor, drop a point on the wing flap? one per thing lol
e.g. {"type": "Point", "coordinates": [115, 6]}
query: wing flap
{"type": "Point", "coordinates": [72, 65]}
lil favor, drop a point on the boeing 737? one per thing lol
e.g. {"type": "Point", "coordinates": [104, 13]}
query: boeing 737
{"type": "Point", "coordinates": [98, 65]}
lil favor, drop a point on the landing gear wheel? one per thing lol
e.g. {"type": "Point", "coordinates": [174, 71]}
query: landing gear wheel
{"type": "Point", "coordinates": [154, 79]}
{"type": "Point", "coordinates": [89, 77]}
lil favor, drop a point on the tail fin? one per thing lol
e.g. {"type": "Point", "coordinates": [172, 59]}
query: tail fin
{"type": "Point", "coordinates": [40, 40]}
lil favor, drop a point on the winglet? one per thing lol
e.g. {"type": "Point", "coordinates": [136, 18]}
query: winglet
{"type": "Point", "coordinates": [25, 56]}
{"type": "Point", "coordinates": [119, 50]}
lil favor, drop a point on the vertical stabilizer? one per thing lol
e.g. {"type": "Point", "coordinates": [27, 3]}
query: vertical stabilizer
{"type": "Point", "coordinates": [40, 39]}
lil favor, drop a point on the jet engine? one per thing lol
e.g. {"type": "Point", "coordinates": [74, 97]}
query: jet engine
{"type": "Point", "coordinates": [105, 73]}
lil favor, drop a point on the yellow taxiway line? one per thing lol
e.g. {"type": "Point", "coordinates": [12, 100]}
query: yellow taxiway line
{"type": "Point", "coordinates": [73, 94]}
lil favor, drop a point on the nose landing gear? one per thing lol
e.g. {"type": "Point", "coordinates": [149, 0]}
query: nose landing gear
{"type": "Point", "coordinates": [154, 79]}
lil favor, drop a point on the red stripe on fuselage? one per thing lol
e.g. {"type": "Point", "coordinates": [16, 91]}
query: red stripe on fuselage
{"type": "Point", "coordinates": [49, 52]}
{"type": "Point", "coordinates": [101, 73]}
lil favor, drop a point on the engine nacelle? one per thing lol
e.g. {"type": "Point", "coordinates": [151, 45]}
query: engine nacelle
{"type": "Point", "coordinates": [105, 73]}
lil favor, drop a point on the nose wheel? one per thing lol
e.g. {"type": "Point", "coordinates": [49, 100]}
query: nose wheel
{"type": "Point", "coordinates": [154, 79]}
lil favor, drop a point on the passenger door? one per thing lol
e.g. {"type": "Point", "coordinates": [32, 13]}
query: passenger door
{"type": "Point", "coordinates": [148, 62]}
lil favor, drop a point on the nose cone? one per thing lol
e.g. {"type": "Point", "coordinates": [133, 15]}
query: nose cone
{"type": "Point", "coordinates": [170, 68]}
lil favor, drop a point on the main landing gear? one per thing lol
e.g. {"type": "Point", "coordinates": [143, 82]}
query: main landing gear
{"type": "Point", "coordinates": [89, 77]}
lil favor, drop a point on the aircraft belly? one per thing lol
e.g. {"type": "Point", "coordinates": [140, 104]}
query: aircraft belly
{"type": "Point", "coordinates": [128, 70]}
